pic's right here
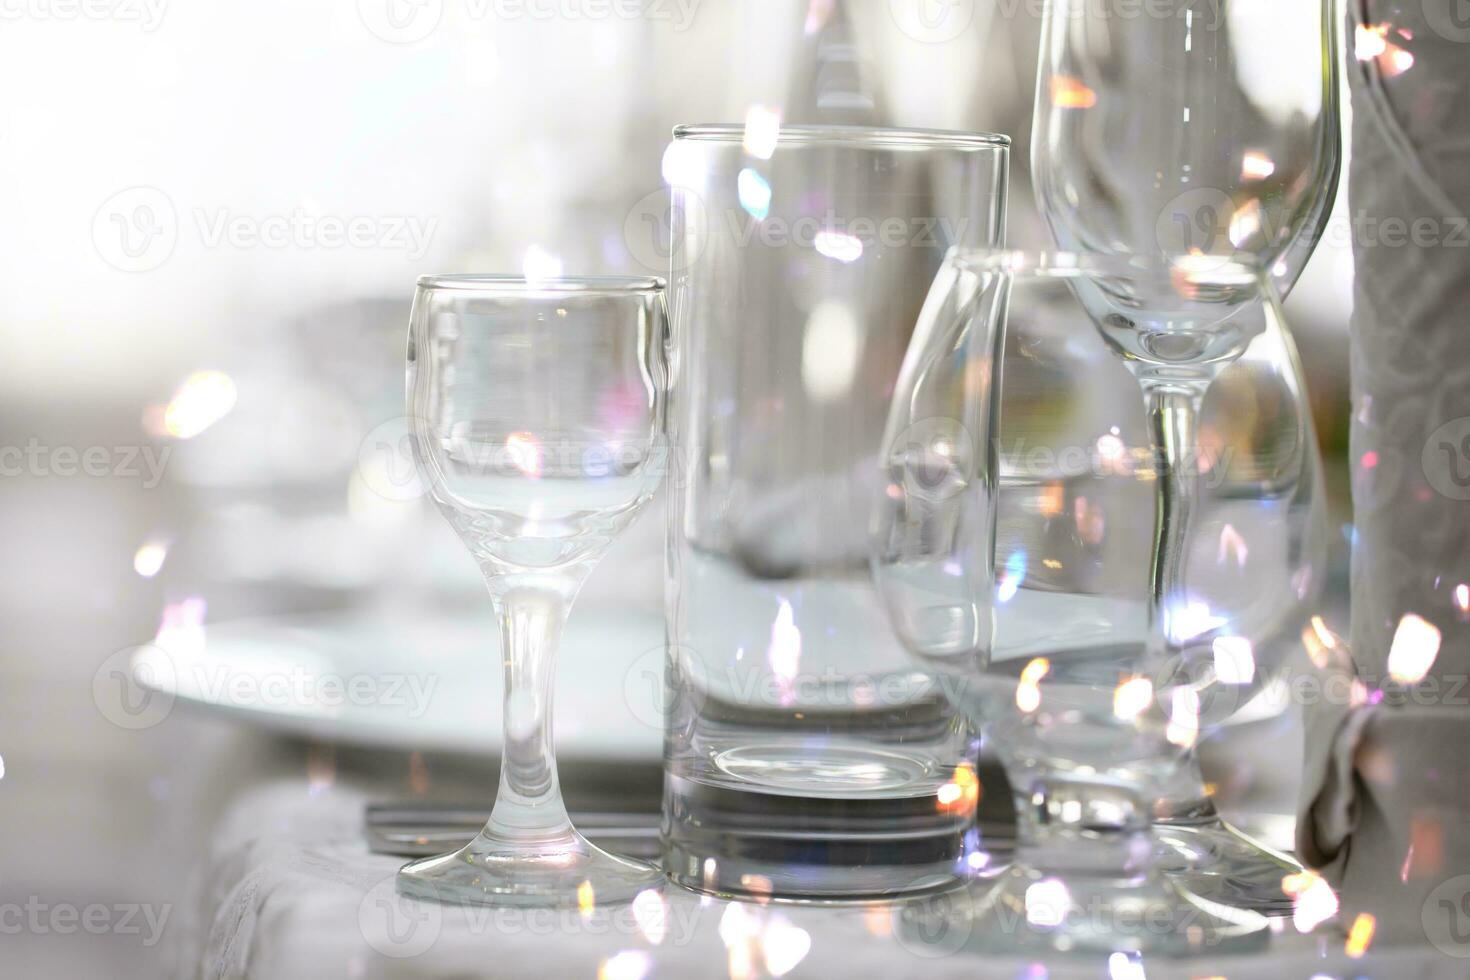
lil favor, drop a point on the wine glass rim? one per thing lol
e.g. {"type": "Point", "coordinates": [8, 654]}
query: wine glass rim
{"type": "Point", "coordinates": [495, 283]}
{"type": "Point", "coordinates": [1238, 269]}
{"type": "Point", "coordinates": [856, 135]}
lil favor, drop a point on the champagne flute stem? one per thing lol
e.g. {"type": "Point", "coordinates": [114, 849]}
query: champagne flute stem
{"type": "Point", "coordinates": [532, 612]}
{"type": "Point", "coordinates": [1173, 413]}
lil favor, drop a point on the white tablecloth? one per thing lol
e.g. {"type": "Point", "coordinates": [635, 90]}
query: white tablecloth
{"type": "Point", "coordinates": [287, 889]}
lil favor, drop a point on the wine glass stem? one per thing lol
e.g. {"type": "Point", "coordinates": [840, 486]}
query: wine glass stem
{"type": "Point", "coordinates": [1173, 410]}
{"type": "Point", "coordinates": [532, 611]}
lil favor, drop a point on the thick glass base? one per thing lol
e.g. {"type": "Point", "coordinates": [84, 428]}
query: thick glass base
{"type": "Point", "coordinates": [1216, 862]}
{"type": "Point", "coordinates": [1024, 912]}
{"type": "Point", "coordinates": [567, 872]}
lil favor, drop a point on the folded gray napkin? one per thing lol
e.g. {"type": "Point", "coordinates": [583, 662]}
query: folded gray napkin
{"type": "Point", "coordinates": [1389, 758]}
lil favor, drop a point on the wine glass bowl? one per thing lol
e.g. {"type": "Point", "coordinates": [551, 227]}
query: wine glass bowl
{"type": "Point", "coordinates": [1195, 128]}
{"type": "Point", "coordinates": [1076, 667]}
{"type": "Point", "coordinates": [536, 409]}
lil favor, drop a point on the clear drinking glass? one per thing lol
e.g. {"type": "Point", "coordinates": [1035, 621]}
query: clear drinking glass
{"type": "Point", "coordinates": [536, 409]}
{"type": "Point", "coordinates": [1206, 128]}
{"type": "Point", "coordinates": [1094, 680]}
{"type": "Point", "coordinates": [807, 756]}
{"type": "Point", "coordinates": [1194, 127]}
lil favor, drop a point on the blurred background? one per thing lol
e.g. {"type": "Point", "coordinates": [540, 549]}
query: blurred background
{"type": "Point", "coordinates": [214, 217]}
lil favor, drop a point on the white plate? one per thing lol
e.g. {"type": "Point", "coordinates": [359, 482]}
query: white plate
{"type": "Point", "coordinates": [416, 680]}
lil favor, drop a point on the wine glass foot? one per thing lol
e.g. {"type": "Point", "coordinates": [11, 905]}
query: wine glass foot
{"type": "Point", "coordinates": [565, 873]}
{"type": "Point", "coordinates": [1028, 913]}
{"type": "Point", "coordinates": [1216, 862]}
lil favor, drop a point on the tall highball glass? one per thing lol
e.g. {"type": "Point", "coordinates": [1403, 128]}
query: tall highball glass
{"type": "Point", "coordinates": [807, 756]}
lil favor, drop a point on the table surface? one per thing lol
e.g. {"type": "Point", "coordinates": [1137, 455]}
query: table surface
{"type": "Point", "coordinates": [288, 889]}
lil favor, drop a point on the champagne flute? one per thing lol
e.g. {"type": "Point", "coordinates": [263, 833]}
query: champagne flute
{"type": "Point", "coordinates": [536, 408]}
{"type": "Point", "coordinates": [1207, 129]}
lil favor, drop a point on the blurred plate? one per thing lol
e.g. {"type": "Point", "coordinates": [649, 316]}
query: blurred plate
{"type": "Point", "coordinates": [416, 680]}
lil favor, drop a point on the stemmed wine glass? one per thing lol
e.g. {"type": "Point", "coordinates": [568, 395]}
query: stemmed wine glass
{"type": "Point", "coordinates": [536, 409]}
{"type": "Point", "coordinates": [1207, 129]}
{"type": "Point", "coordinates": [1091, 728]}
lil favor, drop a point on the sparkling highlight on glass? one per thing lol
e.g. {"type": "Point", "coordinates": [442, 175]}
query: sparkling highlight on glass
{"type": "Point", "coordinates": [1370, 41]}
{"type": "Point", "coordinates": [1360, 935]}
{"type": "Point", "coordinates": [651, 913]}
{"type": "Point", "coordinates": [1028, 691]}
{"type": "Point", "coordinates": [1071, 93]}
{"type": "Point", "coordinates": [784, 654]}
{"type": "Point", "coordinates": [784, 945]}
{"type": "Point", "coordinates": [962, 793]}
{"type": "Point", "coordinates": [181, 630]}
{"type": "Point", "coordinates": [755, 194]}
{"type": "Point", "coordinates": [538, 264]}
{"type": "Point", "coordinates": [149, 558]}
{"type": "Point", "coordinates": [1047, 903]}
{"type": "Point", "coordinates": [586, 899]}
{"type": "Point", "coordinates": [1132, 698]}
{"type": "Point", "coordinates": [1122, 966]}
{"type": "Point", "coordinates": [762, 131]}
{"type": "Point", "coordinates": [1313, 900]}
{"type": "Point", "coordinates": [1235, 660]}
{"type": "Point", "coordinates": [1256, 166]}
{"type": "Point", "coordinates": [525, 452]}
{"type": "Point", "coordinates": [1012, 577]}
{"type": "Point", "coordinates": [203, 399]}
{"type": "Point", "coordinates": [630, 964]}
{"type": "Point", "coordinates": [836, 245]}
{"type": "Point", "coordinates": [831, 349]}
{"type": "Point", "coordinates": [1414, 650]}
{"type": "Point", "coordinates": [1183, 729]}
